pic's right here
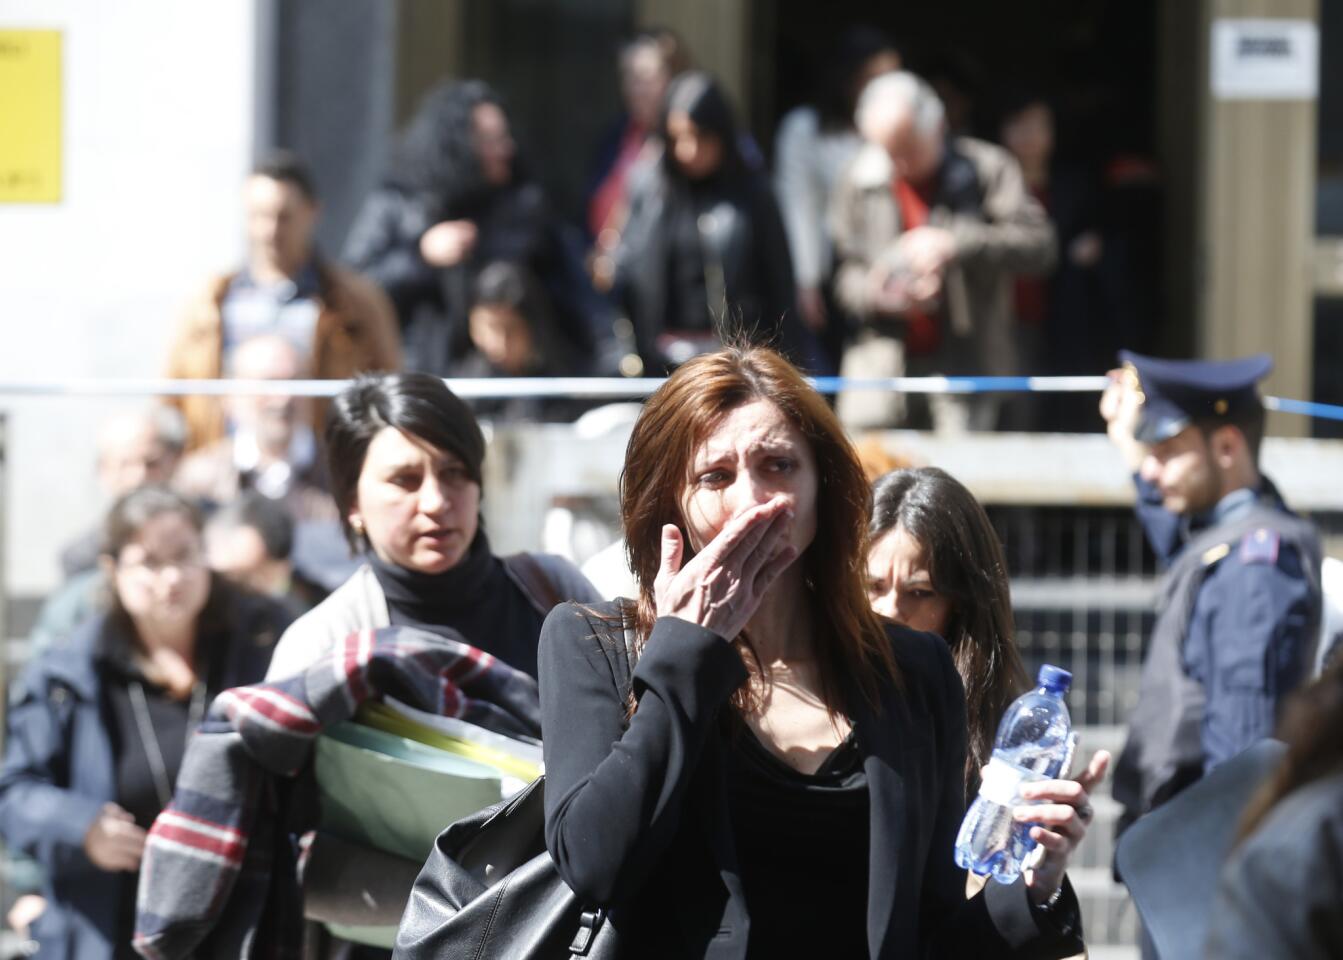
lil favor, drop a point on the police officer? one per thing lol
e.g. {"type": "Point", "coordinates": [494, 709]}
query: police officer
{"type": "Point", "coordinates": [1239, 608]}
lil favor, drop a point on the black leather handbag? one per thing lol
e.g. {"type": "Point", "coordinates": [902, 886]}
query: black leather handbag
{"type": "Point", "coordinates": [490, 890]}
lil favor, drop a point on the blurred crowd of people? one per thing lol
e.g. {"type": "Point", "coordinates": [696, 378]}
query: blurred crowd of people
{"type": "Point", "coordinates": [881, 241]}
{"type": "Point", "coordinates": [877, 238]}
{"type": "Point", "coordinates": [884, 241]}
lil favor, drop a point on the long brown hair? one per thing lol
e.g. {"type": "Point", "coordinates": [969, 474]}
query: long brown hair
{"type": "Point", "coordinates": [965, 562]}
{"type": "Point", "coordinates": [1310, 727]}
{"type": "Point", "coordinates": [852, 642]}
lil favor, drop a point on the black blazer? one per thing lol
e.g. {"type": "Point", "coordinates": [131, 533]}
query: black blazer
{"type": "Point", "coordinates": [748, 245]}
{"type": "Point", "coordinates": [637, 819]}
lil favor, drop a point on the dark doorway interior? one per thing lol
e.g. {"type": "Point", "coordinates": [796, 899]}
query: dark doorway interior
{"type": "Point", "coordinates": [1328, 333]}
{"type": "Point", "coordinates": [555, 63]}
{"type": "Point", "coordinates": [1096, 62]}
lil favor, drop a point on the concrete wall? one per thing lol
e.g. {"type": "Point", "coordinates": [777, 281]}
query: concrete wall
{"type": "Point", "coordinates": [158, 133]}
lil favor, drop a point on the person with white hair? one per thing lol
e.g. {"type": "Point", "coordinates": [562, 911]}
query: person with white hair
{"type": "Point", "coordinates": [135, 447]}
{"type": "Point", "coordinates": [929, 231]}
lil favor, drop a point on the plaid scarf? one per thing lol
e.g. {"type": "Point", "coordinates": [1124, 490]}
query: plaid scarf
{"type": "Point", "coordinates": [219, 875]}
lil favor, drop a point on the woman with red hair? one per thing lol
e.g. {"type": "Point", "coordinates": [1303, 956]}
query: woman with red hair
{"type": "Point", "coordinates": [782, 774]}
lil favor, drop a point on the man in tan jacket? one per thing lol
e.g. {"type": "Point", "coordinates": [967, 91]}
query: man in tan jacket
{"type": "Point", "coordinates": [929, 232]}
{"type": "Point", "coordinates": [340, 322]}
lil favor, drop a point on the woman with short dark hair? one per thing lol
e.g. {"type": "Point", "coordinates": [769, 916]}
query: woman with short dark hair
{"type": "Point", "coordinates": [783, 773]}
{"type": "Point", "coordinates": [934, 563]}
{"type": "Point", "coordinates": [99, 727]}
{"type": "Point", "coordinates": [405, 455]}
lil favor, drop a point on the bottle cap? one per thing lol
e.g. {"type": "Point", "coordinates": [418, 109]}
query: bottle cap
{"type": "Point", "coordinates": [1054, 679]}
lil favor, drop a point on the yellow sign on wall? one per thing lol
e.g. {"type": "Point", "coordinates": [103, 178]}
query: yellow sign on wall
{"type": "Point", "coordinates": [30, 116]}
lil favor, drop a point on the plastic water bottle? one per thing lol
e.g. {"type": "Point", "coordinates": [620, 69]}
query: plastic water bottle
{"type": "Point", "coordinates": [1035, 742]}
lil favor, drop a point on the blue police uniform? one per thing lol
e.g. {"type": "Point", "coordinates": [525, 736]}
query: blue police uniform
{"type": "Point", "coordinates": [1240, 599]}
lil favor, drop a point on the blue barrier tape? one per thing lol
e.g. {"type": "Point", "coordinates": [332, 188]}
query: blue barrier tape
{"type": "Point", "coordinates": [963, 385]}
{"type": "Point", "coordinates": [595, 388]}
{"type": "Point", "coordinates": [1307, 408]}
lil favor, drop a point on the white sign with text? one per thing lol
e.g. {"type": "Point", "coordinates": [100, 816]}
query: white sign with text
{"type": "Point", "coordinates": [1256, 59]}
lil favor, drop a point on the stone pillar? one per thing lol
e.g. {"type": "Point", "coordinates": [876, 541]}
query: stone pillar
{"type": "Point", "coordinates": [1256, 219]}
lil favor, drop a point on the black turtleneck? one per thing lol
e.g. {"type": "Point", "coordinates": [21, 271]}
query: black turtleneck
{"type": "Point", "coordinates": [477, 598]}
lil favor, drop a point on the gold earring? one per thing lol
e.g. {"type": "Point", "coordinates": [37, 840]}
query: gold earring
{"type": "Point", "coordinates": [357, 524]}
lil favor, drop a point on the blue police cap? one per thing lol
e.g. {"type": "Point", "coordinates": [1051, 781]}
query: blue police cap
{"type": "Point", "coordinates": [1176, 393]}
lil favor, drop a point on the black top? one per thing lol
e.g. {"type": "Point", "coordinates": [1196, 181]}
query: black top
{"type": "Point", "coordinates": [433, 303]}
{"type": "Point", "coordinates": [233, 641]}
{"type": "Point", "coordinates": [788, 824]}
{"type": "Point", "coordinates": [477, 598]}
{"type": "Point", "coordinates": [136, 789]}
{"type": "Point", "coordinates": [687, 294]}
{"type": "Point", "coordinates": [639, 816]}
{"type": "Point", "coordinates": [671, 274]}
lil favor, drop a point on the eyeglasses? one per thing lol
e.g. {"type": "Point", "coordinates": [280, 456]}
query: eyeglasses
{"type": "Point", "coordinates": [157, 566]}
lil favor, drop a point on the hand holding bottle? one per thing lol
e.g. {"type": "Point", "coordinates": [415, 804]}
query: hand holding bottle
{"type": "Point", "coordinates": [1060, 812]}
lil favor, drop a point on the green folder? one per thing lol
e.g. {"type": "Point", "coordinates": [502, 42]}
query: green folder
{"type": "Point", "coordinates": [394, 794]}
{"type": "Point", "coordinates": [398, 793]}
{"type": "Point", "coordinates": [488, 748]}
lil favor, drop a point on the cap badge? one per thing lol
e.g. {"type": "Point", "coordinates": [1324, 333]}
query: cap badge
{"type": "Point", "coordinates": [1134, 382]}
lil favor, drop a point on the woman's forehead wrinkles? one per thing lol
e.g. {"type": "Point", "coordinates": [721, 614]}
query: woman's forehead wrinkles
{"type": "Point", "coordinates": [749, 437]}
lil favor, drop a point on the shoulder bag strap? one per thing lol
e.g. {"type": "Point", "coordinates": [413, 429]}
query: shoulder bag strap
{"type": "Point", "coordinates": [531, 575]}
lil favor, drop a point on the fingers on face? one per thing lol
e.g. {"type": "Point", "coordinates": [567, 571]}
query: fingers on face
{"type": "Point", "coordinates": [744, 533]}
{"type": "Point", "coordinates": [771, 542]}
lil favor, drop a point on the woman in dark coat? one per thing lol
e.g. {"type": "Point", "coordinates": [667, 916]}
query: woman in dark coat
{"type": "Point", "coordinates": [456, 198]}
{"type": "Point", "coordinates": [786, 775]}
{"type": "Point", "coordinates": [934, 563]}
{"type": "Point", "coordinates": [1281, 891]}
{"type": "Point", "coordinates": [704, 251]}
{"type": "Point", "coordinates": [97, 733]}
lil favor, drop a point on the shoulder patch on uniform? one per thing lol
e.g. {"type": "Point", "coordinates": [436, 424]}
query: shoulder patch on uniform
{"type": "Point", "coordinates": [1216, 553]}
{"type": "Point", "coordinates": [1260, 546]}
